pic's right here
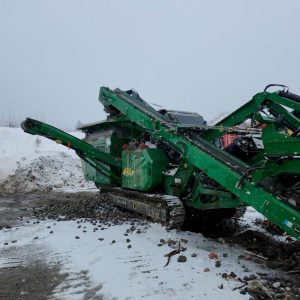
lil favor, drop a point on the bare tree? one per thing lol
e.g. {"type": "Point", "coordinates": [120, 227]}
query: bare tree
{"type": "Point", "coordinates": [78, 124]}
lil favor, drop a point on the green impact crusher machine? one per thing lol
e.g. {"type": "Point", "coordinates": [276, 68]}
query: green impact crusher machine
{"type": "Point", "coordinates": [163, 163]}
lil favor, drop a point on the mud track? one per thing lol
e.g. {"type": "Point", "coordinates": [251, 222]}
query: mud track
{"type": "Point", "coordinates": [34, 281]}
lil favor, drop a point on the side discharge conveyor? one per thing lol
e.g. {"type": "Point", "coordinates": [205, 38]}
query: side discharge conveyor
{"type": "Point", "coordinates": [139, 152]}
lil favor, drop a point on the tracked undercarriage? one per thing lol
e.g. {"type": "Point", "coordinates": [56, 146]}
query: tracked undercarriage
{"type": "Point", "coordinates": [168, 210]}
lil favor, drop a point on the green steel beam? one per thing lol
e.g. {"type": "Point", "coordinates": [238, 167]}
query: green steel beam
{"type": "Point", "coordinates": [274, 97]}
{"type": "Point", "coordinates": [283, 114]}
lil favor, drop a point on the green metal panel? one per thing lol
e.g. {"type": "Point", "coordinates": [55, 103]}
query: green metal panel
{"type": "Point", "coordinates": [142, 169]}
{"type": "Point", "coordinates": [89, 172]}
{"type": "Point", "coordinates": [103, 143]}
{"type": "Point", "coordinates": [278, 143]}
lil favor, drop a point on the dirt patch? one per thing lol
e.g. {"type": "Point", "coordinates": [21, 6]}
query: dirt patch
{"type": "Point", "coordinates": [269, 226]}
{"type": "Point", "coordinates": [34, 281]}
{"type": "Point", "coordinates": [214, 223]}
{"type": "Point", "coordinates": [260, 243]}
{"type": "Point", "coordinates": [274, 254]}
{"type": "Point", "coordinates": [61, 206]}
{"type": "Point", "coordinates": [91, 206]}
{"type": "Point", "coordinates": [15, 208]}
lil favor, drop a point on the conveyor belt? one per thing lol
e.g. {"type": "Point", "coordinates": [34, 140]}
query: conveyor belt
{"type": "Point", "coordinates": [219, 154]}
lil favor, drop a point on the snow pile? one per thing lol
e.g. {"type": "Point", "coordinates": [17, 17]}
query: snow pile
{"type": "Point", "coordinates": [33, 163]}
{"type": "Point", "coordinates": [45, 173]}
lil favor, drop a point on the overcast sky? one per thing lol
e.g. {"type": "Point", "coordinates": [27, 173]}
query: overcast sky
{"type": "Point", "coordinates": [205, 56]}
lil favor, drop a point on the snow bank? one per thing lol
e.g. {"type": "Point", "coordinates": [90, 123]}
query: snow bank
{"type": "Point", "coordinates": [30, 163]}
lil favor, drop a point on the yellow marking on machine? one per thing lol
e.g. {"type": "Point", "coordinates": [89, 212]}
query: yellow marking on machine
{"type": "Point", "coordinates": [128, 172]}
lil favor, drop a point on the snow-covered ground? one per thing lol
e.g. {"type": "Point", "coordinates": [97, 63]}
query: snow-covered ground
{"type": "Point", "coordinates": [132, 273]}
{"type": "Point", "coordinates": [114, 270]}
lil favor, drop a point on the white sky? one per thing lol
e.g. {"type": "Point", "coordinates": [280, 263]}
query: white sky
{"type": "Point", "coordinates": [205, 56]}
